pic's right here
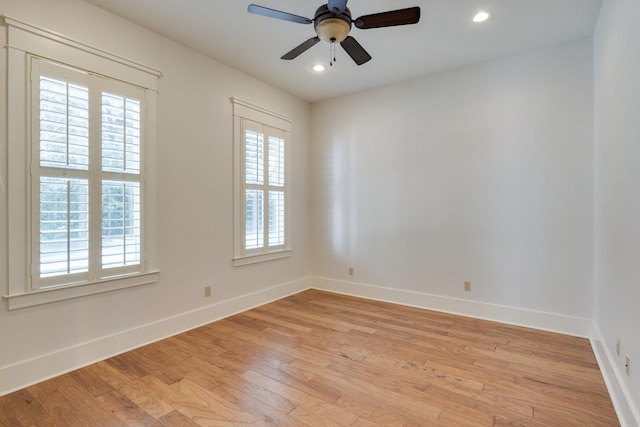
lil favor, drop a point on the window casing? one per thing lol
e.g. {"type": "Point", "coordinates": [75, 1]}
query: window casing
{"type": "Point", "coordinates": [81, 169]}
{"type": "Point", "coordinates": [261, 169]}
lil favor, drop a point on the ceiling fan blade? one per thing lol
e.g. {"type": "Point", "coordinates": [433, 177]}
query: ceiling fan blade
{"type": "Point", "coordinates": [389, 19]}
{"type": "Point", "coordinates": [355, 51]}
{"type": "Point", "coordinates": [272, 13]}
{"type": "Point", "coordinates": [337, 6]}
{"type": "Point", "coordinates": [301, 48]}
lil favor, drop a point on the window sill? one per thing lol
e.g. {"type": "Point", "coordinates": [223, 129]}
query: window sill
{"type": "Point", "coordinates": [53, 294]}
{"type": "Point", "coordinates": [254, 259]}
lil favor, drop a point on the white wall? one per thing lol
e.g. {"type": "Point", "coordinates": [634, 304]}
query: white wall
{"type": "Point", "coordinates": [481, 174]}
{"type": "Point", "coordinates": [194, 206]}
{"type": "Point", "coordinates": [617, 198]}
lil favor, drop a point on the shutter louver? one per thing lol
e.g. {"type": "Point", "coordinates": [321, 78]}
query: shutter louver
{"type": "Point", "coordinates": [276, 197]}
{"type": "Point", "coordinates": [64, 124]}
{"type": "Point", "coordinates": [64, 226]}
{"type": "Point", "coordinates": [254, 157]}
{"type": "Point", "coordinates": [254, 228]}
{"type": "Point", "coordinates": [121, 224]}
{"type": "Point", "coordinates": [276, 218]}
{"type": "Point", "coordinates": [120, 134]}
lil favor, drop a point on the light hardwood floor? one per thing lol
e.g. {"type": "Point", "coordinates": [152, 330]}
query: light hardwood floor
{"type": "Point", "coordinates": [317, 358]}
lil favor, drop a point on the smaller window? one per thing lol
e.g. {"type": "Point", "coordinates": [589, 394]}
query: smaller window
{"type": "Point", "coordinates": [261, 176]}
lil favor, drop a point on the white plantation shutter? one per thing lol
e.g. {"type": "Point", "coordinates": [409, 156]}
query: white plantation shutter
{"type": "Point", "coordinates": [121, 194]}
{"type": "Point", "coordinates": [61, 248]}
{"type": "Point", "coordinates": [120, 133]}
{"type": "Point", "coordinates": [254, 153]}
{"type": "Point", "coordinates": [261, 147]}
{"type": "Point", "coordinates": [264, 183]}
{"type": "Point", "coordinates": [254, 185]}
{"type": "Point", "coordinates": [121, 224]}
{"type": "Point", "coordinates": [254, 219]}
{"type": "Point", "coordinates": [276, 173]}
{"type": "Point", "coordinates": [89, 175]}
{"type": "Point", "coordinates": [64, 227]}
{"type": "Point", "coordinates": [64, 123]}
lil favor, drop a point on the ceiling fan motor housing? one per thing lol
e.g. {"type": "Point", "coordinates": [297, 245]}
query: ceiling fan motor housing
{"type": "Point", "coordinates": [332, 27]}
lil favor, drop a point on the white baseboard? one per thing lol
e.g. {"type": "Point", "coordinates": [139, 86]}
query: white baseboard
{"type": "Point", "coordinates": [25, 373]}
{"type": "Point", "coordinates": [563, 324]}
{"type": "Point", "coordinates": [628, 413]}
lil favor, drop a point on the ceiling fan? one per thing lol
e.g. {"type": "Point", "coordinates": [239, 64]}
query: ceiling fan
{"type": "Point", "coordinates": [332, 23]}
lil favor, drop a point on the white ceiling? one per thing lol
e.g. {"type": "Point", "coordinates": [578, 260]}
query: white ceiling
{"type": "Point", "coordinates": [445, 37]}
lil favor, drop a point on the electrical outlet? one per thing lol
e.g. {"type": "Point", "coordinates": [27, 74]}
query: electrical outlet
{"type": "Point", "coordinates": [618, 346]}
{"type": "Point", "coordinates": [627, 366]}
{"type": "Point", "coordinates": [467, 286]}
{"type": "Point", "coordinates": [350, 271]}
{"type": "Point", "coordinates": [207, 291]}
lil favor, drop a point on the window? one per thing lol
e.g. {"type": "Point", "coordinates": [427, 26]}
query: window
{"type": "Point", "coordinates": [261, 175]}
{"type": "Point", "coordinates": [84, 157]}
{"type": "Point", "coordinates": [87, 159]}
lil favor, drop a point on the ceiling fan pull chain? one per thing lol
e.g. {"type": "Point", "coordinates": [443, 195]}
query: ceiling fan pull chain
{"type": "Point", "coordinates": [332, 54]}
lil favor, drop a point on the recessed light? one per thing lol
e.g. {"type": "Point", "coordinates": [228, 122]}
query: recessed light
{"type": "Point", "coordinates": [481, 16]}
{"type": "Point", "coordinates": [318, 68]}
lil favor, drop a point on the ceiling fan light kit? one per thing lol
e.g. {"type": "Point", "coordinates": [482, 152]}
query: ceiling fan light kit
{"type": "Point", "coordinates": [331, 27]}
{"type": "Point", "coordinates": [332, 23]}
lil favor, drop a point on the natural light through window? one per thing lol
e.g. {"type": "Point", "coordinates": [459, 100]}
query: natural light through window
{"type": "Point", "coordinates": [261, 185]}
{"type": "Point", "coordinates": [68, 177]}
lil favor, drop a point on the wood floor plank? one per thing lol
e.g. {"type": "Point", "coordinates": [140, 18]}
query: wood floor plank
{"type": "Point", "coordinates": [273, 320]}
{"type": "Point", "coordinates": [268, 407]}
{"type": "Point", "coordinates": [78, 398]}
{"type": "Point", "coordinates": [21, 409]}
{"type": "Point", "coordinates": [375, 411]}
{"type": "Point", "coordinates": [420, 408]}
{"type": "Point", "coordinates": [325, 359]}
{"type": "Point", "coordinates": [177, 419]}
{"type": "Point", "coordinates": [145, 399]}
{"type": "Point", "coordinates": [67, 403]}
{"type": "Point", "coordinates": [58, 408]}
{"type": "Point", "coordinates": [174, 398]}
{"type": "Point", "coordinates": [126, 410]}
{"type": "Point", "coordinates": [90, 377]}
{"type": "Point", "coordinates": [218, 408]}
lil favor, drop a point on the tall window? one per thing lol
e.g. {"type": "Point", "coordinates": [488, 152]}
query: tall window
{"type": "Point", "coordinates": [264, 192]}
{"type": "Point", "coordinates": [81, 179]}
{"type": "Point", "coordinates": [87, 166]}
{"type": "Point", "coordinates": [261, 185]}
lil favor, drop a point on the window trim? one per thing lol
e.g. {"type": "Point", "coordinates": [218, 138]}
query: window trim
{"type": "Point", "coordinates": [244, 110]}
{"type": "Point", "coordinates": [25, 40]}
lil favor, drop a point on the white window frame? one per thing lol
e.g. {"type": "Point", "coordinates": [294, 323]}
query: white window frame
{"type": "Point", "coordinates": [24, 42]}
{"type": "Point", "coordinates": [243, 111]}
